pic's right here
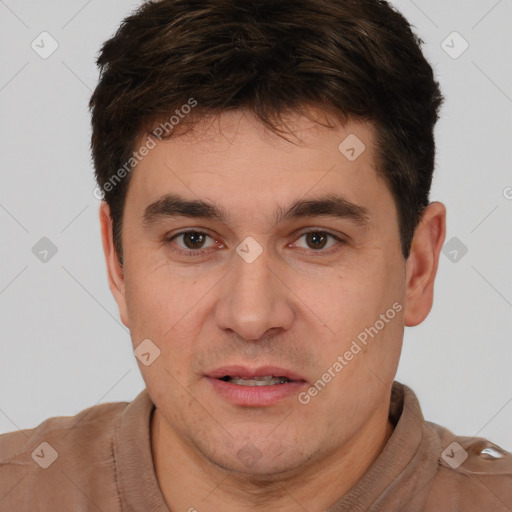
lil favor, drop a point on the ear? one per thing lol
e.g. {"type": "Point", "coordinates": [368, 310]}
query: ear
{"type": "Point", "coordinates": [421, 265]}
{"type": "Point", "coordinates": [114, 268]}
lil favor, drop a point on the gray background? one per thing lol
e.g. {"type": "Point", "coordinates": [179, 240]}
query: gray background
{"type": "Point", "coordinates": [63, 347]}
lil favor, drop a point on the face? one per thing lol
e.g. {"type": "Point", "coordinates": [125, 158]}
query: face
{"type": "Point", "coordinates": [243, 285]}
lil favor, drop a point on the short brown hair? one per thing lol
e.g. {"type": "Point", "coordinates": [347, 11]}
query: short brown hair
{"type": "Point", "coordinates": [355, 59]}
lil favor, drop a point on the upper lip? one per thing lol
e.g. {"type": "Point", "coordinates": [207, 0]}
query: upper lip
{"type": "Point", "coordinates": [248, 373]}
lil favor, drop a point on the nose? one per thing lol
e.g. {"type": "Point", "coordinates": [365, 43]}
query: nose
{"type": "Point", "coordinates": [254, 300]}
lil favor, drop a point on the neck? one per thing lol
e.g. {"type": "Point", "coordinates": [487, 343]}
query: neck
{"type": "Point", "coordinates": [190, 482]}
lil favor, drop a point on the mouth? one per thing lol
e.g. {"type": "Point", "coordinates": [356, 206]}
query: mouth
{"type": "Point", "coordinates": [262, 386]}
{"type": "Point", "coordinates": [262, 376]}
{"type": "Point", "coordinates": [267, 380]}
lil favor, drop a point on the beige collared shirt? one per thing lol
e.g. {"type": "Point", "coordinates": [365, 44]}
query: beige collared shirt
{"type": "Point", "coordinates": [100, 460]}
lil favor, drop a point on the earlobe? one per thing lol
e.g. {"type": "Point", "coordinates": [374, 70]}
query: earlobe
{"type": "Point", "coordinates": [115, 273]}
{"type": "Point", "coordinates": [422, 263]}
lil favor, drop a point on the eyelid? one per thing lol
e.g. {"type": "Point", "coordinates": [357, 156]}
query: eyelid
{"type": "Point", "coordinates": [339, 238]}
{"type": "Point", "coordinates": [170, 238]}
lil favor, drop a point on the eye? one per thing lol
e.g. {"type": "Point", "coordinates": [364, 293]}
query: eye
{"type": "Point", "coordinates": [193, 242]}
{"type": "Point", "coordinates": [318, 240]}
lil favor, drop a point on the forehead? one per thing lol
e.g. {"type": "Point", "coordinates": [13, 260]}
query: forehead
{"type": "Point", "coordinates": [236, 162]}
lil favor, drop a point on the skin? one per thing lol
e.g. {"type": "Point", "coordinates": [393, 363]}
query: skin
{"type": "Point", "coordinates": [292, 307]}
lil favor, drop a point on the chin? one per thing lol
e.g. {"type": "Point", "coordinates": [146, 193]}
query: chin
{"type": "Point", "coordinates": [259, 459]}
{"type": "Point", "coordinates": [263, 472]}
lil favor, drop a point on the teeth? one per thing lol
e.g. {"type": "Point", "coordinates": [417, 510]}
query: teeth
{"type": "Point", "coordinates": [268, 380]}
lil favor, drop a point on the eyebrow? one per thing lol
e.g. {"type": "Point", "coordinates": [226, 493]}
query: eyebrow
{"type": "Point", "coordinates": [331, 205]}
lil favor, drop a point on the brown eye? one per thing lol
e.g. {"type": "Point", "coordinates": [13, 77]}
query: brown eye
{"type": "Point", "coordinates": [192, 242]}
{"type": "Point", "coordinates": [318, 240]}
{"type": "Point", "coordinates": [193, 239]}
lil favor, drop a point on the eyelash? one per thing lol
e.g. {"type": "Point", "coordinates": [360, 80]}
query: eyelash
{"type": "Point", "coordinates": [201, 252]}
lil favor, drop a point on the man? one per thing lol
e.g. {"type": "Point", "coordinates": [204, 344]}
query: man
{"type": "Point", "coordinates": [265, 168]}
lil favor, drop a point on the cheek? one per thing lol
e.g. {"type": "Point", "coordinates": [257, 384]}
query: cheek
{"type": "Point", "coordinates": [164, 317]}
{"type": "Point", "coordinates": [159, 295]}
{"type": "Point", "coordinates": [167, 308]}
{"type": "Point", "coordinates": [351, 305]}
{"type": "Point", "coordinates": [345, 302]}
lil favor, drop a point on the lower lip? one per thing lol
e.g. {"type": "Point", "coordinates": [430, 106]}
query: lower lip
{"type": "Point", "coordinates": [256, 396]}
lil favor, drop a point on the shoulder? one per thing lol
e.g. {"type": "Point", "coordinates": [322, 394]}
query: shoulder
{"type": "Point", "coordinates": [59, 451]}
{"type": "Point", "coordinates": [63, 430]}
{"type": "Point", "coordinates": [474, 474]}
